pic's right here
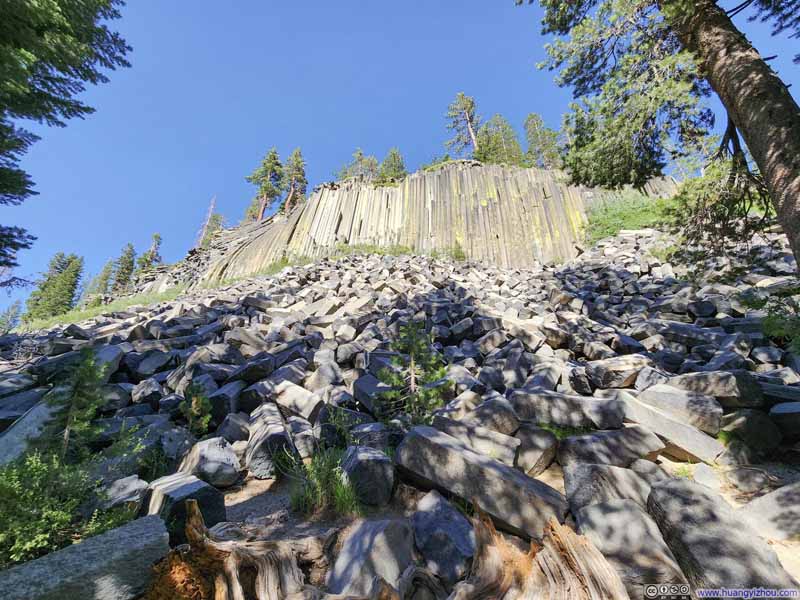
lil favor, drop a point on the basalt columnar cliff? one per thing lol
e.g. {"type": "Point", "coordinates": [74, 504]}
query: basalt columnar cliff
{"type": "Point", "coordinates": [507, 217]}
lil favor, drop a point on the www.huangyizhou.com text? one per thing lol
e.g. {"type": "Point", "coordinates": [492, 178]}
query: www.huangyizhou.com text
{"type": "Point", "coordinates": [748, 593]}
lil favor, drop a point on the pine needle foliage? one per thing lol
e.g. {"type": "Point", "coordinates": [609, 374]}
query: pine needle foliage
{"type": "Point", "coordinates": [415, 378]}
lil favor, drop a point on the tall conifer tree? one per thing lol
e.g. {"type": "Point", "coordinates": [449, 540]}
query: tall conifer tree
{"type": "Point", "coordinates": [123, 270]}
{"type": "Point", "coordinates": [294, 179]}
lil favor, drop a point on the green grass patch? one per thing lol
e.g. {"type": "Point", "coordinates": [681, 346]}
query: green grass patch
{"type": "Point", "coordinates": [632, 210]}
{"type": "Point", "coordinates": [119, 304]}
{"type": "Point", "coordinates": [279, 265]}
{"type": "Point", "coordinates": [319, 487]}
{"type": "Point", "coordinates": [684, 471]}
{"type": "Point", "coordinates": [564, 431]}
{"type": "Point", "coordinates": [726, 437]}
{"type": "Point", "coordinates": [359, 249]}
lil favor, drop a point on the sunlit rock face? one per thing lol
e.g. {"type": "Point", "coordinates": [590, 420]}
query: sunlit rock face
{"type": "Point", "coordinates": [503, 216]}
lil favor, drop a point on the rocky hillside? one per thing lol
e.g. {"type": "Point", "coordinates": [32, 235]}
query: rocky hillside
{"type": "Point", "coordinates": [509, 217]}
{"type": "Point", "coordinates": [604, 398]}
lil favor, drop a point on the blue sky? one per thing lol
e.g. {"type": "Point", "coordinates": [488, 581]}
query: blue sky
{"type": "Point", "coordinates": [215, 84]}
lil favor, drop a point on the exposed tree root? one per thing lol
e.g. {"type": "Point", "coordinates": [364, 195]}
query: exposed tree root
{"type": "Point", "coordinates": [221, 565]}
{"type": "Point", "coordinates": [566, 567]}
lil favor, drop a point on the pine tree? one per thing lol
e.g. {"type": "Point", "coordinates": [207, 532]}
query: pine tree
{"type": "Point", "coordinates": [362, 165]}
{"type": "Point", "coordinates": [268, 177]}
{"type": "Point", "coordinates": [498, 143]}
{"type": "Point", "coordinates": [543, 150]}
{"type": "Point", "coordinates": [151, 257]}
{"type": "Point", "coordinates": [101, 283]}
{"type": "Point", "coordinates": [215, 222]}
{"type": "Point", "coordinates": [49, 52]}
{"type": "Point", "coordinates": [464, 123]}
{"type": "Point", "coordinates": [294, 179]}
{"type": "Point", "coordinates": [57, 291]}
{"type": "Point", "coordinates": [10, 317]}
{"type": "Point", "coordinates": [641, 104]}
{"type": "Point", "coordinates": [123, 270]}
{"type": "Point", "coordinates": [393, 167]}
{"type": "Point", "coordinates": [34, 307]}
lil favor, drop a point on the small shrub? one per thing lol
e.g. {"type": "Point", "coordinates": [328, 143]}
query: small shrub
{"type": "Point", "coordinates": [782, 320]}
{"type": "Point", "coordinates": [196, 409]}
{"type": "Point", "coordinates": [319, 487]}
{"type": "Point", "coordinates": [684, 471]}
{"type": "Point", "coordinates": [39, 500]}
{"type": "Point", "coordinates": [415, 376]}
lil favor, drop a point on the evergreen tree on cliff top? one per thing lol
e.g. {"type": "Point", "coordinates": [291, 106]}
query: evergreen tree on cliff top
{"type": "Point", "coordinates": [150, 257]}
{"type": "Point", "coordinates": [123, 270]}
{"type": "Point", "coordinates": [268, 178]}
{"type": "Point", "coordinates": [362, 165]}
{"type": "Point", "coordinates": [294, 179]}
{"type": "Point", "coordinates": [640, 99]}
{"type": "Point", "coordinates": [464, 122]}
{"type": "Point", "coordinates": [498, 143]}
{"type": "Point", "coordinates": [393, 167]}
{"type": "Point", "coordinates": [49, 51]}
{"type": "Point", "coordinates": [543, 149]}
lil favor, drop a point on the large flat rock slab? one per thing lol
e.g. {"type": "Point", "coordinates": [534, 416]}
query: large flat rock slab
{"type": "Point", "coordinates": [713, 545]}
{"type": "Point", "coordinates": [683, 440]}
{"type": "Point", "coordinates": [115, 565]}
{"type": "Point", "coordinates": [630, 540]}
{"type": "Point", "coordinates": [544, 406]}
{"type": "Point", "coordinates": [619, 447]}
{"type": "Point", "coordinates": [775, 516]}
{"type": "Point", "coordinates": [517, 502]}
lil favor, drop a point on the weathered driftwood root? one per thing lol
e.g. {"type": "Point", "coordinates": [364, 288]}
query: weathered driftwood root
{"type": "Point", "coordinates": [566, 567]}
{"type": "Point", "coordinates": [227, 565]}
{"type": "Point", "coordinates": [224, 564]}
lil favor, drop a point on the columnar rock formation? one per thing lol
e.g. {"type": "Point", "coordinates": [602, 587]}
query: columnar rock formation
{"type": "Point", "coordinates": [504, 216]}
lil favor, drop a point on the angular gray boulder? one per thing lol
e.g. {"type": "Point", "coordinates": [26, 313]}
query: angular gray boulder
{"type": "Point", "coordinates": [696, 409]}
{"type": "Point", "coordinates": [167, 497]}
{"type": "Point", "coordinates": [618, 447]}
{"type": "Point", "coordinates": [630, 540]}
{"type": "Point", "coordinates": [776, 515]}
{"type": "Point", "coordinates": [482, 440]}
{"type": "Point", "coordinates": [214, 461]}
{"type": "Point", "coordinates": [444, 537]}
{"type": "Point", "coordinates": [616, 372]}
{"type": "Point", "coordinates": [115, 565]}
{"type": "Point", "coordinates": [587, 484]}
{"type": "Point", "coordinates": [371, 474]}
{"type": "Point", "coordinates": [544, 406]}
{"type": "Point", "coordinates": [372, 548]}
{"type": "Point", "coordinates": [683, 441]}
{"type": "Point", "coordinates": [713, 545]}
{"type": "Point", "coordinates": [732, 389]}
{"type": "Point", "coordinates": [517, 502]}
{"type": "Point", "coordinates": [537, 449]}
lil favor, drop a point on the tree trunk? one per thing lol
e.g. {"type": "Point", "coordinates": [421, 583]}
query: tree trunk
{"type": "Point", "coordinates": [471, 131]}
{"type": "Point", "coordinates": [756, 99]}
{"type": "Point", "coordinates": [566, 567]}
{"type": "Point", "coordinates": [262, 207]}
{"type": "Point", "coordinates": [289, 199]}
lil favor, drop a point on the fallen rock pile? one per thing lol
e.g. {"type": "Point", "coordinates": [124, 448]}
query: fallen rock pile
{"type": "Point", "coordinates": [598, 366]}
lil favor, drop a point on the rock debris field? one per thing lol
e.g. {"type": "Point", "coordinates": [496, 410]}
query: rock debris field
{"type": "Point", "coordinates": [644, 411]}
